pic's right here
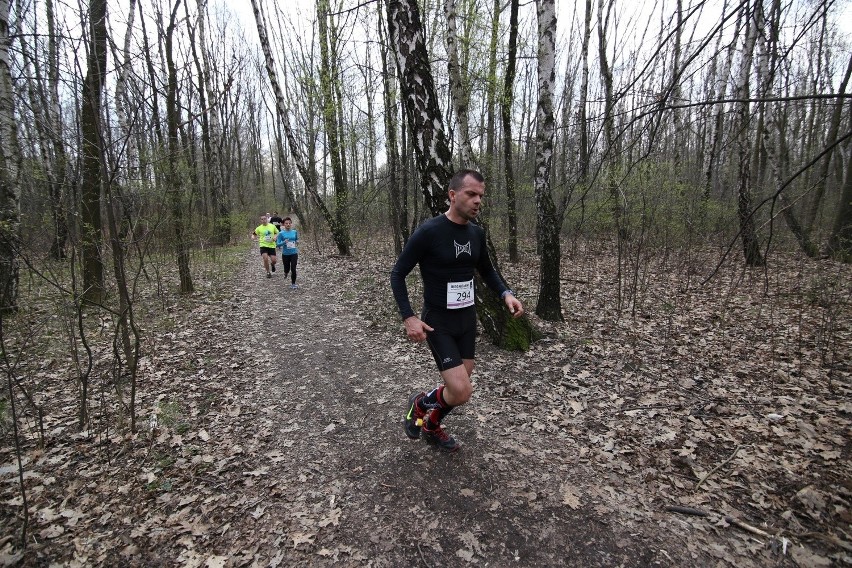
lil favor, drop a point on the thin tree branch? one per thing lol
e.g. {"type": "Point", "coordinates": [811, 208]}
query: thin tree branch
{"type": "Point", "coordinates": [717, 468]}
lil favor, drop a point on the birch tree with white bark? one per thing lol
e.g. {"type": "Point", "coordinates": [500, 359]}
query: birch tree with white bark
{"type": "Point", "coordinates": [549, 306]}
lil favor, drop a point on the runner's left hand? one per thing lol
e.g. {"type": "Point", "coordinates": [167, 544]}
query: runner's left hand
{"type": "Point", "coordinates": [516, 308]}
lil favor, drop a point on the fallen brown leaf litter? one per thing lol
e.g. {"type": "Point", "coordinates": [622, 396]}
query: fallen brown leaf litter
{"type": "Point", "coordinates": [695, 426]}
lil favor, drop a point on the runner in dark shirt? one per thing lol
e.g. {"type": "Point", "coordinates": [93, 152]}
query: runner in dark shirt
{"type": "Point", "coordinates": [448, 249]}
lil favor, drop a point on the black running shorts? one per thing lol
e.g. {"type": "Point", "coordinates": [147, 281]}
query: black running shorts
{"type": "Point", "coordinates": [454, 335]}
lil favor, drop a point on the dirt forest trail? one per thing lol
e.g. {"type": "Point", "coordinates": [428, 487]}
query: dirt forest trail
{"type": "Point", "coordinates": [342, 485]}
{"type": "Point", "coordinates": [328, 478]}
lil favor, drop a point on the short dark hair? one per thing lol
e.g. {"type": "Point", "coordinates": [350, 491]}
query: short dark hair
{"type": "Point", "coordinates": [458, 178]}
{"type": "Point", "coordinates": [287, 219]}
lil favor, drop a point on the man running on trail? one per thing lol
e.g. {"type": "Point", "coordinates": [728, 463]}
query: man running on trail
{"type": "Point", "coordinates": [265, 235]}
{"type": "Point", "coordinates": [286, 241]}
{"type": "Point", "coordinates": [448, 249]}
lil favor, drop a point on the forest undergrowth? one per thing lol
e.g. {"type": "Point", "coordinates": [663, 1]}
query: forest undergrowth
{"type": "Point", "coordinates": [696, 423]}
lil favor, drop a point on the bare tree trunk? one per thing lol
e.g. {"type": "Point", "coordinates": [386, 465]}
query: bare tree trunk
{"type": "Point", "coordinates": [565, 144]}
{"type": "Point", "coordinates": [507, 101]}
{"type": "Point", "coordinates": [61, 166]}
{"type": "Point", "coordinates": [10, 189]}
{"type": "Point", "coordinates": [175, 180]}
{"type": "Point", "coordinates": [125, 199]}
{"type": "Point", "coordinates": [610, 154]}
{"type": "Point", "coordinates": [677, 130]}
{"type": "Point", "coordinates": [775, 133]}
{"type": "Point", "coordinates": [609, 118]}
{"type": "Point", "coordinates": [210, 129]}
{"type": "Point", "coordinates": [748, 232]}
{"type": "Point", "coordinates": [159, 138]}
{"type": "Point", "coordinates": [840, 241]}
{"type": "Point", "coordinates": [335, 75]}
{"type": "Point", "coordinates": [490, 161]}
{"type": "Point", "coordinates": [458, 91]}
{"type": "Point", "coordinates": [764, 76]}
{"type": "Point", "coordinates": [219, 209]}
{"type": "Point", "coordinates": [91, 226]}
{"type": "Point", "coordinates": [370, 152]}
{"type": "Point", "coordinates": [526, 127]}
{"type": "Point", "coordinates": [549, 305]}
{"type": "Point", "coordinates": [713, 155]}
{"type": "Point", "coordinates": [128, 341]}
{"type": "Point", "coordinates": [434, 161]}
{"type": "Point", "coordinates": [583, 110]}
{"type": "Point", "coordinates": [397, 190]}
{"type": "Point", "coordinates": [332, 132]}
{"type": "Point", "coordinates": [830, 141]}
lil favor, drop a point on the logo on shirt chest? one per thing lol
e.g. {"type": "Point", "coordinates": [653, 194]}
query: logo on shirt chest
{"type": "Point", "coordinates": [462, 248]}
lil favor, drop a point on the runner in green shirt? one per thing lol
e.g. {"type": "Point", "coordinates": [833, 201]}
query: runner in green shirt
{"type": "Point", "coordinates": [264, 234]}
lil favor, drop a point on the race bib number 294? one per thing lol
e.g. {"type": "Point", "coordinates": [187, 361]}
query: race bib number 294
{"type": "Point", "coordinates": [459, 294]}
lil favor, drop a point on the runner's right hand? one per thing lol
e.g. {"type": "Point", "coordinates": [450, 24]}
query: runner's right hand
{"type": "Point", "coordinates": [416, 329]}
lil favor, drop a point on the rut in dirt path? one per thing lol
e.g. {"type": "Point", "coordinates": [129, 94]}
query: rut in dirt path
{"type": "Point", "coordinates": [354, 489]}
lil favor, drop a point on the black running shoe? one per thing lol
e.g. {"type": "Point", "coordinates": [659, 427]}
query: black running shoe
{"type": "Point", "coordinates": [273, 268]}
{"type": "Point", "coordinates": [441, 439]}
{"type": "Point", "coordinates": [413, 419]}
{"type": "Point", "coordinates": [269, 275]}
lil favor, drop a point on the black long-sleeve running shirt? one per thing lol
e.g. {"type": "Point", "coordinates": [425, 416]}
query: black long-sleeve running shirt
{"type": "Point", "coordinates": [446, 252]}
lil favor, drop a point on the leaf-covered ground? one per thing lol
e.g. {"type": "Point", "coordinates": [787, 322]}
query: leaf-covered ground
{"type": "Point", "coordinates": [696, 426]}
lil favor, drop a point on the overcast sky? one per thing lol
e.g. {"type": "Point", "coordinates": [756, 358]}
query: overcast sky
{"type": "Point", "coordinates": [564, 9]}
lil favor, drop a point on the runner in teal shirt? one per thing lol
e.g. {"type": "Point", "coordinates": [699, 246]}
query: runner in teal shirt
{"type": "Point", "coordinates": [286, 241]}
